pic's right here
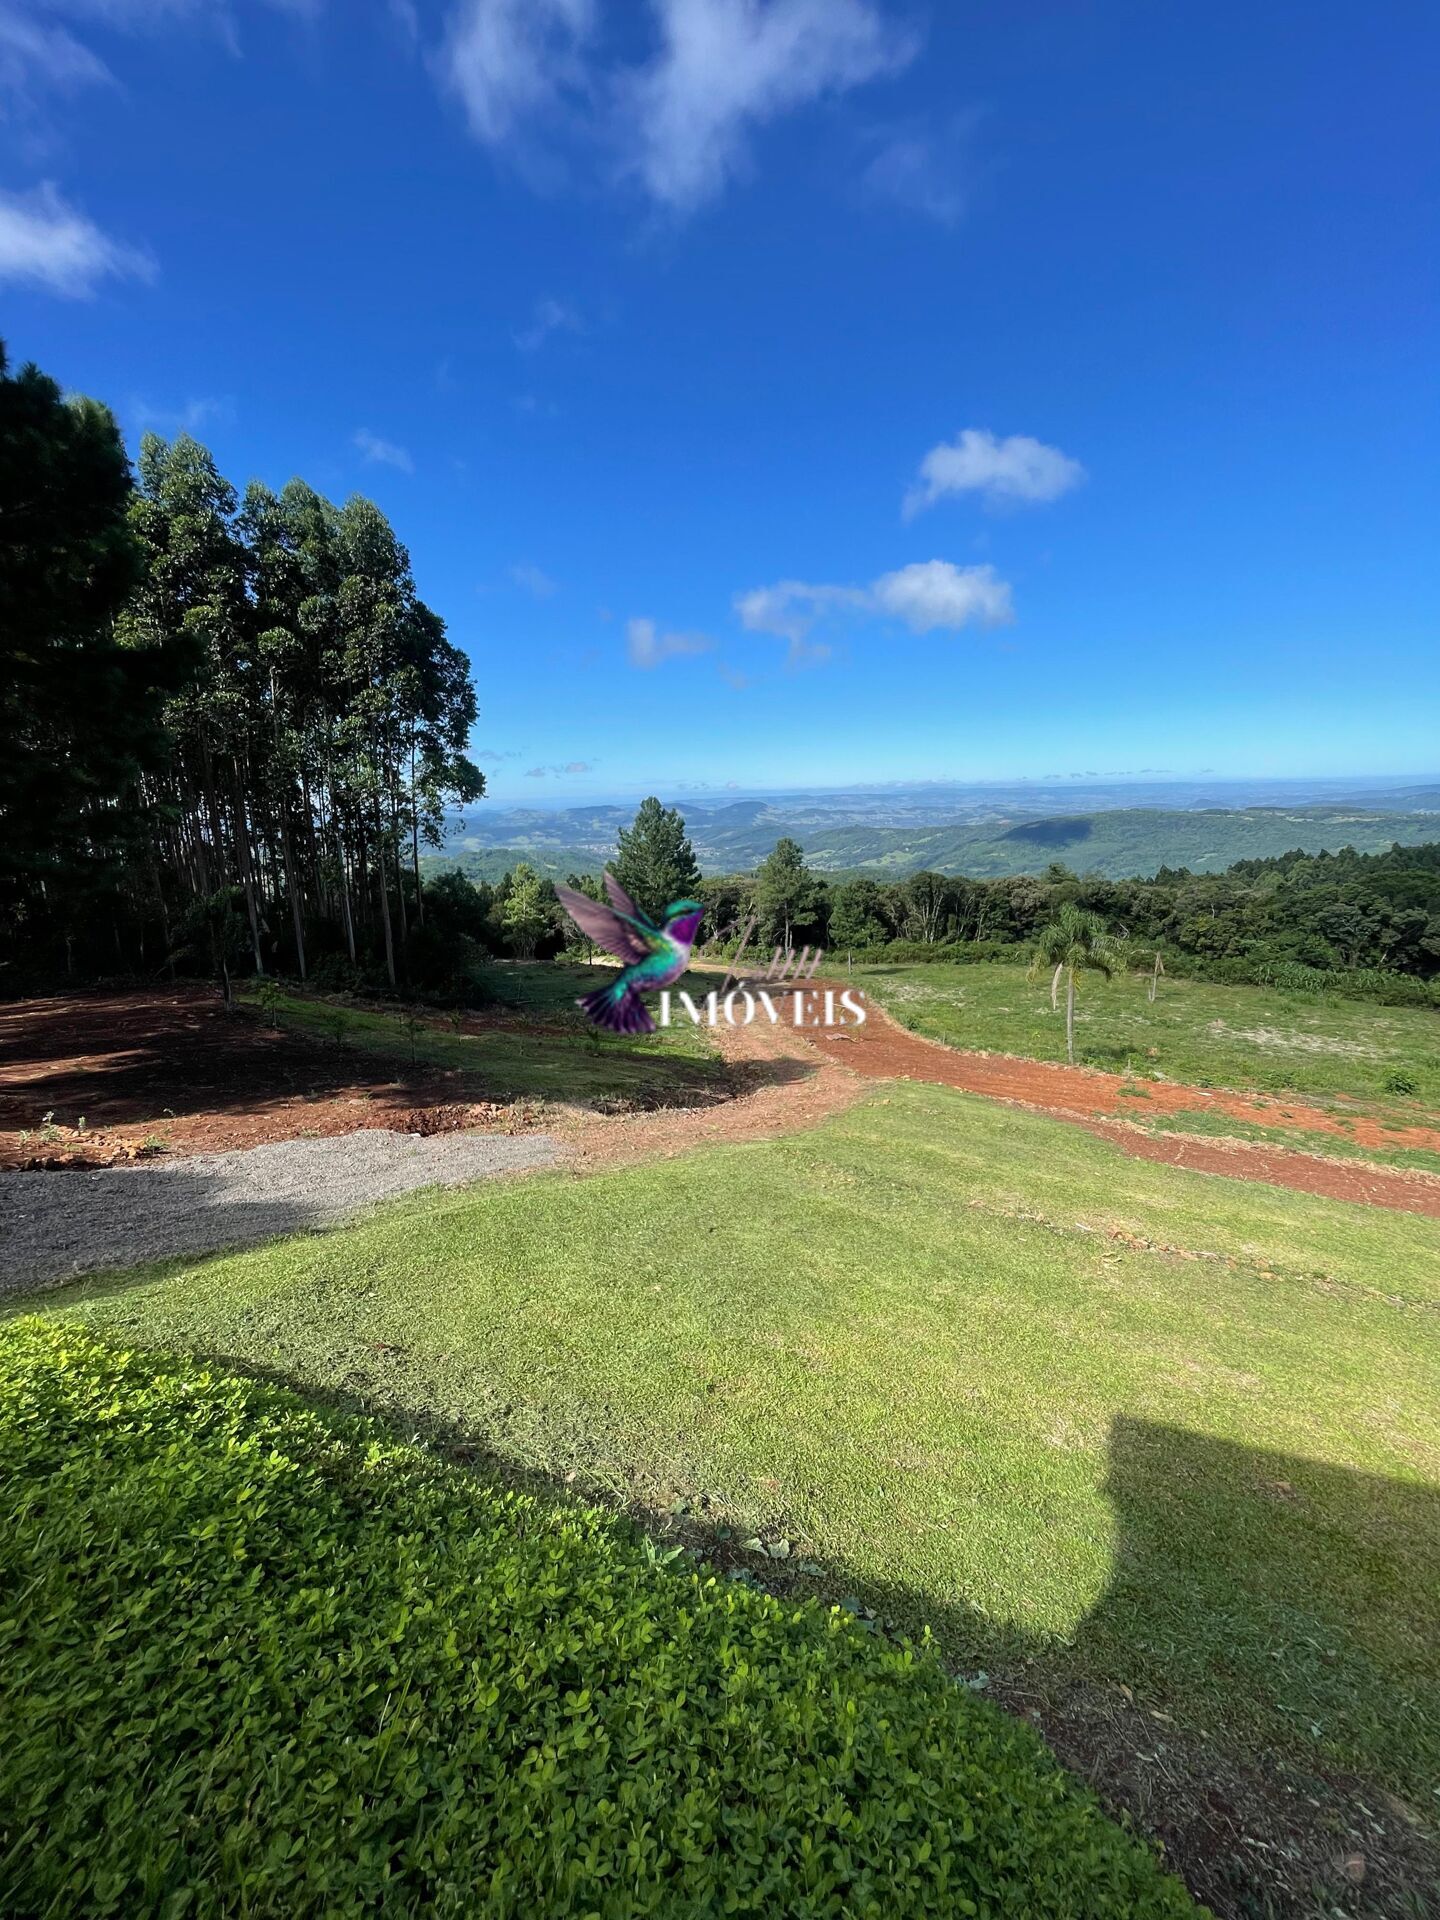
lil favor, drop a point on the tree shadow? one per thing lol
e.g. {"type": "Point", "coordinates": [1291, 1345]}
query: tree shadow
{"type": "Point", "coordinates": [1258, 1686]}
{"type": "Point", "coordinates": [145, 1057]}
{"type": "Point", "coordinates": [59, 1227]}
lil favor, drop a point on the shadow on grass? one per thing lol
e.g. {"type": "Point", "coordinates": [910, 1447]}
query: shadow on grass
{"type": "Point", "coordinates": [1291, 1584]}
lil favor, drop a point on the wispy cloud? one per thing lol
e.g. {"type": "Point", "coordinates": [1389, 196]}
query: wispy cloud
{"type": "Point", "coordinates": [679, 122]}
{"type": "Point", "coordinates": [726, 67]}
{"type": "Point", "coordinates": [924, 169]}
{"type": "Point", "coordinates": [194, 417]}
{"type": "Point", "coordinates": [45, 242]}
{"type": "Point", "coordinates": [382, 453]}
{"type": "Point", "coordinates": [928, 596]}
{"type": "Point", "coordinates": [549, 317]}
{"type": "Point", "coordinates": [534, 581]}
{"type": "Point", "coordinates": [36, 59]}
{"type": "Point", "coordinates": [1016, 470]}
{"type": "Point", "coordinates": [558, 772]}
{"type": "Point", "coordinates": [512, 62]}
{"type": "Point", "coordinates": [495, 756]}
{"type": "Point", "coordinates": [647, 647]}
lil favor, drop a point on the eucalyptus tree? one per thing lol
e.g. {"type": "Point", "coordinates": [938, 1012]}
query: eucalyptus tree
{"type": "Point", "coordinates": [194, 592]}
{"type": "Point", "coordinates": [80, 710]}
{"type": "Point", "coordinates": [1075, 941]}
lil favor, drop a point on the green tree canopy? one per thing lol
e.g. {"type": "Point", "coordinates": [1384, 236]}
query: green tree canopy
{"type": "Point", "coordinates": [527, 912]}
{"type": "Point", "coordinates": [79, 710]}
{"type": "Point", "coordinates": [656, 863]}
{"type": "Point", "coordinates": [787, 894]}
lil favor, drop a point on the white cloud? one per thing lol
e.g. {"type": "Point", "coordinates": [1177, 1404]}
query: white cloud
{"type": "Point", "coordinates": [934, 593]}
{"type": "Point", "coordinates": [790, 608]}
{"type": "Point", "coordinates": [510, 60]}
{"type": "Point", "coordinates": [382, 453]}
{"type": "Point", "coordinates": [45, 242]}
{"type": "Point", "coordinates": [550, 316]}
{"type": "Point", "coordinates": [680, 120]}
{"type": "Point", "coordinates": [928, 595]}
{"type": "Point", "coordinates": [1016, 469]}
{"type": "Point", "coordinates": [647, 647]}
{"type": "Point", "coordinates": [727, 66]}
{"type": "Point", "coordinates": [533, 580]}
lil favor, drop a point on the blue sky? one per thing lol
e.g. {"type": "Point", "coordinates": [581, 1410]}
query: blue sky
{"type": "Point", "coordinates": [776, 392]}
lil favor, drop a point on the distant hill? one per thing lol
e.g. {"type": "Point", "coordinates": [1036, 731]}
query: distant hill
{"type": "Point", "coordinates": [1120, 842]}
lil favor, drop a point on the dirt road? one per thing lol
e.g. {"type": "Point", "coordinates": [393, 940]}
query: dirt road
{"type": "Point", "coordinates": [1109, 1104]}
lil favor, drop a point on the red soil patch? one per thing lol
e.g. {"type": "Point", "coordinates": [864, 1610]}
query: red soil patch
{"type": "Point", "coordinates": [175, 1072]}
{"type": "Point", "coordinates": [782, 1086]}
{"type": "Point", "coordinates": [881, 1050]}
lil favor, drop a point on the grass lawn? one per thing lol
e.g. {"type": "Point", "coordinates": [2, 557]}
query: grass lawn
{"type": "Point", "coordinates": [1144, 1428]}
{"type": "Point", "coordinates": [1209, 1036]}
{"type": "Point", "coordinates": [263, 1661]}
{"type": "Point", "coordinates": [552, 1053]}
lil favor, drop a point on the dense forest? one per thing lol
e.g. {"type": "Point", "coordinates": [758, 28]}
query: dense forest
{"type": "Point", "coordinates": [230, 722]}
{"type": "Point", "coordinates": [1367, 923]}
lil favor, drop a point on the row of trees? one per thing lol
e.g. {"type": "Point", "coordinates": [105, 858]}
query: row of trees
{"type": "Point", "coordinates": [1340, 913]}
{"type": "Point", "coordinates": [231, 722]}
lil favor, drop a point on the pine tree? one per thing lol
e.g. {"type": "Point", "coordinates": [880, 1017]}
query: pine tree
{"type": "Point", "coordinates": [785, 892]}
{"type": "Point", "coordinates": [656, 863]}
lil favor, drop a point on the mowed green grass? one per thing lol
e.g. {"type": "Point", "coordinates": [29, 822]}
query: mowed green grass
{"type": "Point", "coordinates": [1209, 1036]}
{"type": "Point", "coordinates": [552, 1053]}
{"type": "Point", "coordinates": [920, 1345]}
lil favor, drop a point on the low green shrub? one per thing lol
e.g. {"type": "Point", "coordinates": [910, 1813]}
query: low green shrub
{"type": "Point", "coordinates": [1400, 1080]}
{"type": "Point", "coordinates": [257, 1659]}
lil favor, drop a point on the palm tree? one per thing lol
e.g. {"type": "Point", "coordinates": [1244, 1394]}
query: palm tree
{"type": "Point", "coordinates": [1075, 941]}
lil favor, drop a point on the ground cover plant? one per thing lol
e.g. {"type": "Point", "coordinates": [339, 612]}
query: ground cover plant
{"type": "Point", "coordinates": [1241, 1037]}
{"type": "Point", "coordinates": [981, 1368]}
{"type": "Point", "coordinates": [268, 1662]}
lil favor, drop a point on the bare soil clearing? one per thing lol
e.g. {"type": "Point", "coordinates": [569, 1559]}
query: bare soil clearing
{"type": "Point", "coordinates": [1110, 1103]}
{"type": "Point", "coordinates": [173, 1072]}
{"type": "Point", "coordinates": [783, 1086]}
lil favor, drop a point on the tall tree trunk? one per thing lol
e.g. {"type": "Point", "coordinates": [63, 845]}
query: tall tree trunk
{"type": "Point", "coordinates": [247, 866]}
{"type": "Point", "coordinates": [384, 896]}
{"type": "Point", "coordinates": [292, 888]}
{"type": "Point", "coordinates": [415, 841]}
{"type": "Point", "coordinates": [1070, 1016]}
{"type": "Point", "coordinates": [345, 913]}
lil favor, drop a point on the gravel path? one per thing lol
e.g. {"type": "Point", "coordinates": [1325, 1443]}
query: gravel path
{"type": "Point", "coordinates": [54, 1226]}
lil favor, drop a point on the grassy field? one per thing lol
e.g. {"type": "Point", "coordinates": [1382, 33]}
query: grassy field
{"type": "Point", "coordinates": [552, 1053]}
{"type": "Point", "coordinates": [1139, 1427]}
{"type": "Point", "coordinates": [1208, 1036]}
